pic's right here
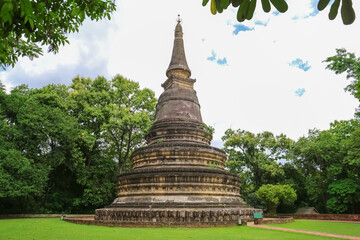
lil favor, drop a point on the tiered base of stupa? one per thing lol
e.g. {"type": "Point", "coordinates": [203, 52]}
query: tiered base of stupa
{"type": "Point", "coordinates": [196, 197]}
{"type": "Point", "coordinates": [159, 217]}
{"type": "Point", "coordinates": [178, 179]}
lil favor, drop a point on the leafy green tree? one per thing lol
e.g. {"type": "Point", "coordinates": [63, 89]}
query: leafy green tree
{"type": "Point", "coordinates": [246, 8]}
{"type": "Point", "coordinates": [255, 158]}
{"type": "Point", "coordinates": [114, 117]}
{"type": "Point", "coordinates": [347, 62]}
{"type": "Point", "coordinates": [273, 195]}
{"type": "Point", "coordinates": [42, 137]}
{"type": "Point", "coordinates": [132, 113]}
{"type": "Point", "coordinates": [57, 147]}
{"type": "Point", "coordinates": [345, 193]}
{"type": "Point", "coordinates": [24, 24]}
{"type": "Point", "coordinates": [314, 156]}
{"type": "Point", "coordinates": [325, 158]}
{"type": "Point", "coordinates": [352, 158]}
{"type": "Point", "coordinates": [19, 176]}
{"type": "Point", "coordinates": [293, 177]}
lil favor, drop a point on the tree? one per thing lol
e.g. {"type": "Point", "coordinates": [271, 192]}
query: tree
{"type": "Point", "coordinates": [24, 24]}
{"type": "Point", "coordinates": [293, 177]}
{"type": "Point", "coordinates": [246, 8]}
{"type": "Point", "coordinates": [255, 158]}
{"type": "Point", "coordinates": [344, 193]}
{"type": "Point", "coordinates": [132, 115]}
{"type": "Point", "coordinates": [61, 147]}
{"type": "Point", "coordinates": [347, 62]}
{"type": "Point", "coordinates": [19, 176]}
{"type": "Point", "coordinates": [329, 161]}
{"type": "Point", "coordinates": [41, 140]}
{"type": "Point", "coordinates": [273, 195]}
{"type": "Point", "coordinates": [113, 117]}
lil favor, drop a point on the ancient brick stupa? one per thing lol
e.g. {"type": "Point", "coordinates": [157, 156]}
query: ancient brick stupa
{"type": "Point", "coordinates": [178, 179]}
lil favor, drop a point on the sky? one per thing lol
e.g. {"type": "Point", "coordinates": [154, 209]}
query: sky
{"type": "Point", "coordinates": [266, 74]}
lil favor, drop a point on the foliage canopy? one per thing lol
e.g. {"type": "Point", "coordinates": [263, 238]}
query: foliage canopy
{"type": "Point", "coordinates": [24, 24]}
{"type": "Point", "coordinates": [62, 147]}
{"type": "Point", "coordinates": [246, 8]}
{"type": "Point", "coordinates": [273, 195]}
{"type": "Point", "coordinates": [345, 61]}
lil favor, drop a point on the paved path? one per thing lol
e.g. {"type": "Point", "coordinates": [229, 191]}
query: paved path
{"type": "Point", "coordinates": [250, 224]}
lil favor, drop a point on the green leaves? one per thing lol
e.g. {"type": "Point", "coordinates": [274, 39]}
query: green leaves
{"type": "Point", "coordinates": [6, 12]}
{"type": "Point", "coordinates": [323, 167]}
{"type": "Point", "coordinates": [20, 176]}
{"type": "Point", "coordinates": [236, 3]}
{"type": "Point", "coordinates": [205, 2]}
{"type": "Point", "coordinates": [61, 148]}
{"type": "Point", "coordinates": [325, 158]}
{"type": "Point", "coordinates": [246, 8]}
{"type": "Point", "coordinates": [347, 62]}
{"type": "Point", "coordinates": [251, 10]}
{"type": "Point", "coordinates": [322, 4]}
{"type": "Point", "coordinates": [280, 5]}
{"type": "Point", "coordinates": [255, 157]}
{"type": "Point", "coordinates": [266, 5]}
{"type": "Point", "coordinates": [343, 192]}
{"type": "Point", "coordinates": [243, 10]}
{"type": "Point", "coordinates": [334, 9]}
{"type": "Point", "coordinates": [224, 4]}
{"type": "Point", "coordinates": [213, 7]}
{"type": "Point", "coordinates": [116, 111]}
{"type": "Point", "coordinates": [347, 11]}
{"type": "Point", "coordinates": [217, 5]}
{"type": "Point", "coordinates": [27, 24]}
{"type": "Point", "coordinates": [273, 195]}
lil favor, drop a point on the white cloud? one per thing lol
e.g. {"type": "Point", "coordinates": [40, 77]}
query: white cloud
{"type": "Point", "coordinates": [300, 91]}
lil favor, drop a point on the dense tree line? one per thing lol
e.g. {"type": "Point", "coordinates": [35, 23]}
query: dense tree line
{"type": "Point", "coordinates": [323, 167]}
{"type": "Point", "coordinates": [61, 147]}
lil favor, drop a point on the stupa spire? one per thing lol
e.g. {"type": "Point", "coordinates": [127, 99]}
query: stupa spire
{"type": "Point", "coordinates": [178, 63]}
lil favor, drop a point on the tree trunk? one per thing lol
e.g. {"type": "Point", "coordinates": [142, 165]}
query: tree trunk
{"type": "Point", "coordinates": [272, 209]}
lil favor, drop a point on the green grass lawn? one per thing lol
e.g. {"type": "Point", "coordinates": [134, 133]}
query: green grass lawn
{"type": "Point", "coordinates": [36, 229]}
{"type": "Point", "coordinates": [350, 229]}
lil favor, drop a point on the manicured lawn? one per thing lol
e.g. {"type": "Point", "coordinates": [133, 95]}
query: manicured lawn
{"type": "Point", "coordinates": [349, 229]}
{"type": "Point", "coordinates": [37, 229]}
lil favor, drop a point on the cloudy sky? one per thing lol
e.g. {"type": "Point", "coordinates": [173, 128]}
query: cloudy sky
{"type": "Point", "coordinates": [263, 74]}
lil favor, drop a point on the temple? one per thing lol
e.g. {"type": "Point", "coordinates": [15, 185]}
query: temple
{"type": "Point", "coordinates": [178, 179]}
